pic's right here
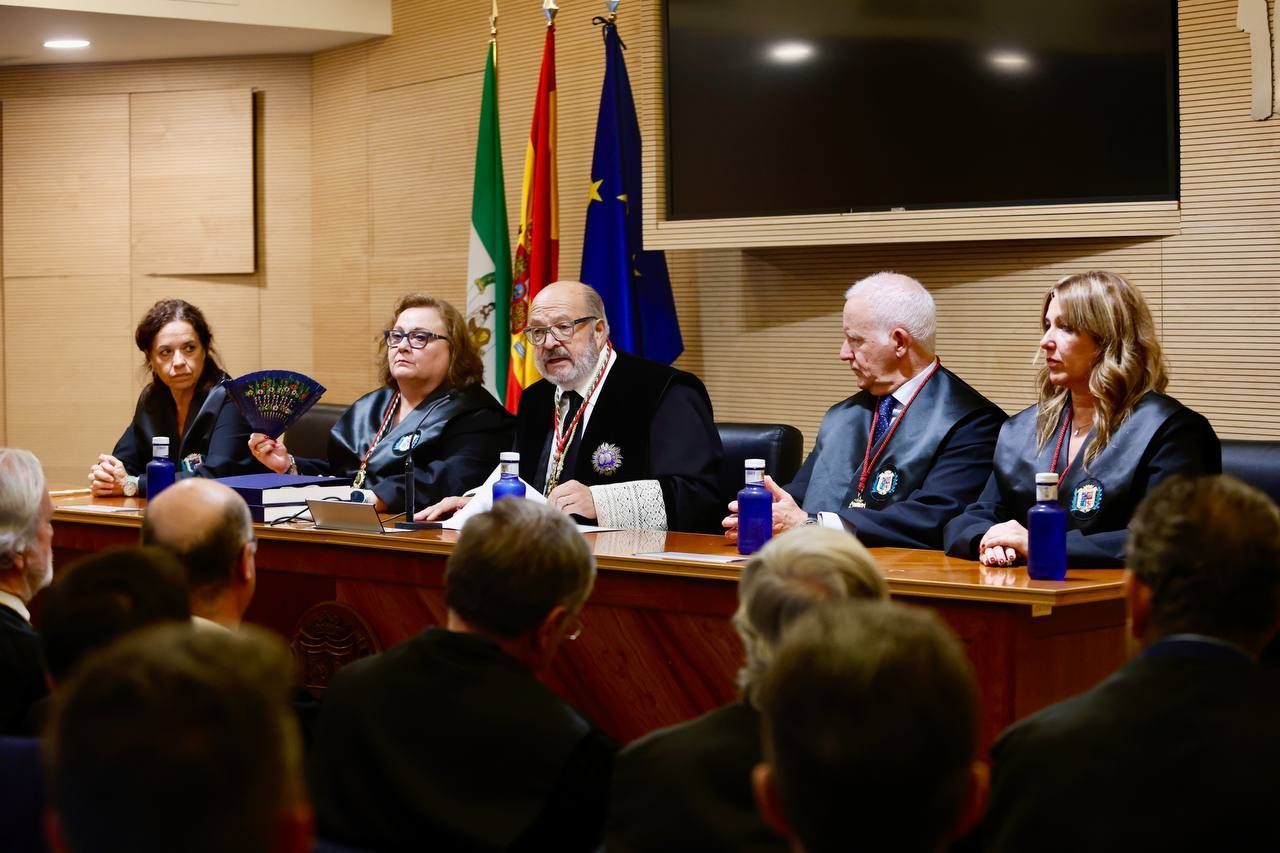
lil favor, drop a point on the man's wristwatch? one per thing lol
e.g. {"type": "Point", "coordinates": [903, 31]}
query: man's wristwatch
{"type": "Point", "coordinates": [812, 518]}
{"type": "Point", "coordinates": [130, 487]}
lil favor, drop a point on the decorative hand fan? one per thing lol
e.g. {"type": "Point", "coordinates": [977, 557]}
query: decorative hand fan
{"type": "Point", "coordinates": [273, 400]}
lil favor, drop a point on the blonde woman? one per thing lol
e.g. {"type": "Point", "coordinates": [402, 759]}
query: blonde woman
{"type": "Point", "coordinates": [1103, 424]}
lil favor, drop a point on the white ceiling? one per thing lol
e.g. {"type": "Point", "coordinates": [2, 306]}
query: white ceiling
{"type": "Point", "coordinates": [129, 38]}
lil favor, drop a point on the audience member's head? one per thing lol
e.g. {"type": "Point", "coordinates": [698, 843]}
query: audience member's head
{"type": "Point", "coordinates": [178, 739]}
{"type": "Point", "coordinates": [520, 574]}
{"type": "Point", "coordinates": [789, 575]}
{"type": "Point", "coordinates": [207, 526]}
{"type": "Point", "coordinates": [870, 731]}
{"type": "Point", "coordinates": [105, 596]}
{"type": "Point", "coordinates": [26, 525]}
{"type": "Point", "coordinates": [1204, 558]}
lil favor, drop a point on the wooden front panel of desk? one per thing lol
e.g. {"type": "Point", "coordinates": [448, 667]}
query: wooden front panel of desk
{"type": "Point", "coordinates": [657, 646]}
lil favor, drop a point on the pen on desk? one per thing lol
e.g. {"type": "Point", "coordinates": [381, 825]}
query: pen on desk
{"type": "Point", "coordinates": [62, 493]}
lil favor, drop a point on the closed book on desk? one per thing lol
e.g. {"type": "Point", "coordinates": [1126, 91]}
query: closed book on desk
{"type": "Point", "coordinates": [275, 489]}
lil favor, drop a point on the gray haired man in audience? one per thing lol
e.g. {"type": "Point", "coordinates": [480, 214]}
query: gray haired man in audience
{"type": "Point", "coordinates": [1178, 749]}
{"type": "Point", "coordinates": [177, 739]}
{"type": "Point", "coordinates": [207, 526]}
{"type": "Point", "coordinates": [870, 732]}
{"type": "Point", "coordinates": [448, 741]}
{"type": "Point", "coordinates": [688, 787]}
{"type": "Point", "coordinates": [26, 567]}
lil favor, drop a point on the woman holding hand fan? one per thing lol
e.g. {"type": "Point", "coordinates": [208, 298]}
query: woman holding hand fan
{"type": "Point", "coordinates": [183, 401]}
{"type": "Point", "coordinates": [431, 404]}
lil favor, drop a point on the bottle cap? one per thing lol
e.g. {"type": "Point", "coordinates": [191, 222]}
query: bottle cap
{"type": "Point", "coordinates": [1046, 478]}
{"type": "Point", "coordinates": [508, 456]}
{"type": "Point", "coordinates": [160, 441]}
{"type": "Point", "coordinates": [754, 464]}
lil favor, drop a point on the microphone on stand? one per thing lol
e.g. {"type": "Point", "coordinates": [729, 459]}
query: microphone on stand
{"type": "Point", "coordinates": [410, 484]}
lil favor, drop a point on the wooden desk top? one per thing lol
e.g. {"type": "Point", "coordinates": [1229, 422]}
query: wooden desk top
{"type": "Point", "coordinates": [923, 574]}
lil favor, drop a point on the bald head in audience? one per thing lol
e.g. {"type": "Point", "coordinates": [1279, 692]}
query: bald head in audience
{"type": "Point", "coordinates": [175, 739]}
{"type": "Point", "coordinates": [207, 526]}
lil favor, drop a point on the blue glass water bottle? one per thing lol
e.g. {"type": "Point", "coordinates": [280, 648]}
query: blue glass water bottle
{"type": "Point", "coordinates": [509, 485]}
{"type": "Point", "coordinates": [1047, 532]}
{"type": "Point", "coordinates": [755, 510]}
{"type": "Point", "coordinates": [160, 470]}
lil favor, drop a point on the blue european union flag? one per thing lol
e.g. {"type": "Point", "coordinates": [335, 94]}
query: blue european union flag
{"type": "Point", "coordinates": [633, 283]}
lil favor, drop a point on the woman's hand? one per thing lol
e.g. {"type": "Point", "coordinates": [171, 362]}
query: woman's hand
{"type": "Point", "coordinates": [440, 510]}
{"type": "Point", "coordinates": [269, 452]}
{"type": "Point", "coordinates": [107, 476]}
{"type": "Point", "coordinates": [1003, 544]}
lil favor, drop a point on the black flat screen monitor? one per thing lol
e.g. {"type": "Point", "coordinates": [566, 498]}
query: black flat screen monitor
{"type": "Point", "coordinates": [779, 107]}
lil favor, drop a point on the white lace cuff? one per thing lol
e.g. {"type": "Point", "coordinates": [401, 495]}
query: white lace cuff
{"type": "Point", "coordinates": [637, 504]}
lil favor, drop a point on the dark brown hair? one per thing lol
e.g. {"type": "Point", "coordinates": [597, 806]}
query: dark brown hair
{"type": "Point", "coordinates": [168, 311]}
{"type": "Point", "coordinates": [465, 366]}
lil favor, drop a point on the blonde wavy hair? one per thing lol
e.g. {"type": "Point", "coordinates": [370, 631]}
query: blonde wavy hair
{"type": "Point", "coordinates": [1130, 363]}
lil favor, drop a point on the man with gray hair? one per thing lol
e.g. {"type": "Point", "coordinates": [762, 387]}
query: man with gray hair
{"type": "Point", "coordinates": [26, 567]}
{"type": "Point", "coordinates": [207, 526]}
{"type": "Point", "coordinates": [448, 741]}
{"type": "Point", "coordinates": [688, 787]}
{"type": "Point", "coordinates": [906, 454]}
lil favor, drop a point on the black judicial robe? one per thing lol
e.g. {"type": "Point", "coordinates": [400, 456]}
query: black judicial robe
{"type": "Point", "coordinates": [215, 430]}
{"type": "Point", "coordinates": [659, 419]}
{"type": "Point", "coordinates": [21, 671]}
{"type": "Point", "coordinates": [445, 742]}
{"type": "Point", "coordinates": [934, 466]}
{"type": "Point", "coordinates": [463, 431]}
{"type": "Point", "coordinates": [1160, 438]}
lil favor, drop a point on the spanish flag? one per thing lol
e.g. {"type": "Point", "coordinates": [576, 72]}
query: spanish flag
{"type": "Point", "coordinates": [537, 257]}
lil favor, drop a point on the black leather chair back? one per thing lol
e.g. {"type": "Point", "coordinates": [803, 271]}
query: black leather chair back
{"type": "Point", "coordinates": [1255, 462]}
{"type": "Point", "coordinates": [309, 437]}
{"type": "Point", "coordinates": [779, 445]}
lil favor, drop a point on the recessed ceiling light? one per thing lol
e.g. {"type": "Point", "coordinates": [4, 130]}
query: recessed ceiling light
{"type": "Point", "coordinates": [1009, 60]}
{"type": "Point", "coordinates": [791, 51]}
{"type": "Point", "coordinates": [66, 44]}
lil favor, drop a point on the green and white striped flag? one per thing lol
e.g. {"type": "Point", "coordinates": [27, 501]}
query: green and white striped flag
{"type": "Point", "coordinates": [489, 254]}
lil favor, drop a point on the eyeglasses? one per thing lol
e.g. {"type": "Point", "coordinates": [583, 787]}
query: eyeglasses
{"type": "Point", "coordinates": [537, 335]}
{"type": "Point", "coordinates": [418, 338]}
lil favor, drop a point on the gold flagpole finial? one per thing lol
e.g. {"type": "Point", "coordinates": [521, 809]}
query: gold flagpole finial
{"type": "Point", "coordinates": [612, 6]}
{"type": "Point", "coordinates": [549, 8]}
{"type": "Point", "coordinates": [493, 21]}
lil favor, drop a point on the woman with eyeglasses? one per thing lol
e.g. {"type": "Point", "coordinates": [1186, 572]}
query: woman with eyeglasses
{"type": "Point", "coordinates": [432, 388]}
{"type": "Point", "coordinates": [183, 401]}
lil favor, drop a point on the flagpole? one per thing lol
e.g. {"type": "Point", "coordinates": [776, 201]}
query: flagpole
{"type": "Point", "coordinates": [549, 8]}
{"type": "Point", "coordinates": [612, 6]}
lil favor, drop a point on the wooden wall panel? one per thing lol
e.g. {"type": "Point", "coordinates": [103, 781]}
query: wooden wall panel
{"type": "Point", "coordinates": [283, 185]}
{"type": "Point", "coordinates": [70, 390]}
{"type": "Point", "coordinates": [229, 303]}
{"type": "Point", "coordinates": [66, 177]}
{"type": "Point", "coordinates": [191, 174]}
{"type": "Point", "coordinates": [260, 320]}
{"type": "Point", "coordinates": [344, 325]}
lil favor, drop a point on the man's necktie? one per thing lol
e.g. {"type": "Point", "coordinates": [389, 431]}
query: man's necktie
{"type": "Point", "coordinates": [884, 414]}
